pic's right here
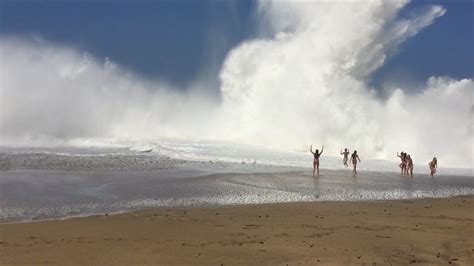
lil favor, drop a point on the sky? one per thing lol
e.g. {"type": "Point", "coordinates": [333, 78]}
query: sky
{"type": "Point", "coordinates": [378, 76]}
{"type": "Point", "coordinates": [444, 48]}
{"type": "Point", "coordinates": [181, 41]}
{"type": "Point", "coordinates": [174, 40]}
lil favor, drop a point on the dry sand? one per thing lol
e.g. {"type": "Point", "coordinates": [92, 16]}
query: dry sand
{"type": "Point", "coordinates": [433, 231]}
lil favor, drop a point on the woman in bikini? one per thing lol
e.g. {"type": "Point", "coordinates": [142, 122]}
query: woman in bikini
{"type": "Point", "coordinates": [403, 165]}
{"type": "Point", "coordinates": [409, 165]}
{"type": "Point", "coordinates": [316, 154]}
{"type": "Point", "coordinates": [354, 158]}
{"type": "Point", "coordinates": [433, 165]}
{"type": "Point", "coordinates": [346, 156]}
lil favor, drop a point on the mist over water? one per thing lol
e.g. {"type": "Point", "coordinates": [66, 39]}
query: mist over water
{"type": "Point", "coordinates": [305, 82]}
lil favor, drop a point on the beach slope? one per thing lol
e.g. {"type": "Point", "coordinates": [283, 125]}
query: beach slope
{"type": "Point", "coordinates": [433, 231]}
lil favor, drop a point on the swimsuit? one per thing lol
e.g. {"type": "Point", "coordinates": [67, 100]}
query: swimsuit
{"type": "Point", "coordinates": [404, 161]}
{"type": "Point", "coordinates": [354, 160]}
{"type": "Point", "coordinates": [346, 157]}
{"type": "Point", "coordinates": [316, 158]}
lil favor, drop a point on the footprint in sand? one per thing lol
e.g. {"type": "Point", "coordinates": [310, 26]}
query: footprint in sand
{"type": "Point", "coordinates": [251, 226]}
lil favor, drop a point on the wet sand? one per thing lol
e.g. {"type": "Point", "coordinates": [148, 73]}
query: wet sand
{"type": "Point", "coordinates": [431, 231]}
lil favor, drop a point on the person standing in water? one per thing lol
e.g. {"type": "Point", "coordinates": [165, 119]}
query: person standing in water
{"type": "Point", "coordinates": [346, 156]}
{"type": "Point", "coordinates": [409, 165]}
{"type": "Point", "coordinates": [433, 165]}
{"type": "Point", "coordinates": [403, 165]}
{"type": "Point", "coordinates": [354, 158]}
{"type": "Point", "coordinates": [316, 154]}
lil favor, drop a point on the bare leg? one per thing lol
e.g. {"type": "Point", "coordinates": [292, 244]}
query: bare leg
{"type": "Point", "coordinates": [317, 165]}
{"type": "Point", "coordinates": [314, 168]}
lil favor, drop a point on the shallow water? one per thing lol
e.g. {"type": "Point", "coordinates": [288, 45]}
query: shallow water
{"type": "Point", "coordinates": [57, 183]}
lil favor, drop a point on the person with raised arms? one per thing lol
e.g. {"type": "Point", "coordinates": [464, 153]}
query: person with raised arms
{"type": "Point", "coordinates": [316, 155]}
{"type": "Point", "coordinates": [403, 165]}
{"type": "Point", "coordinates": [346, 157]}
{"type": "Point", "coordinates": [433, 165]}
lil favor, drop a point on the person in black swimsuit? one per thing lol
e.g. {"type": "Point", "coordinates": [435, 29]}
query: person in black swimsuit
{"type": "Point", "coordinates": [316, 154]}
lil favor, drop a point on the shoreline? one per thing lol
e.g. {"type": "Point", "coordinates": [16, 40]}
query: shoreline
{"type": "Point", "coordinates": [39, 220]}
{"type": "Point", "coordinates": [72, 194]}
{"type": "Point", "coordinates": [429, 230]}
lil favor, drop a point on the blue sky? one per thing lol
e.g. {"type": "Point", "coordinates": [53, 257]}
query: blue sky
{"type": "Point", "coordinates": [179, 41]}
{"type": "Point", "coordinates": [444, 48]}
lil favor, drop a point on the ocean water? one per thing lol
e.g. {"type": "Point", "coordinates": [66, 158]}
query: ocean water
{"type": "Point", "coordinates": [94, 177]}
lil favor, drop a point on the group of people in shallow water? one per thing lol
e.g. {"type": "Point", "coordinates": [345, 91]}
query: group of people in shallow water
{"type": "Point", "coordinates": [353, 161]}
{"type": "Point", "coordinates": [317, 154]}
{"type": "Point", "coordinates": [406, 165]}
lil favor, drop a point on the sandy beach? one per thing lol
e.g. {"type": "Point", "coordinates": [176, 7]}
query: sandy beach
{"type": "Point", "coordinates": [258, 132]}
{"type": "Point", "coordinates": [432, 231]}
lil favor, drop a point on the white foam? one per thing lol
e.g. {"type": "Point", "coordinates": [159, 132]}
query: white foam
{"type": "Point", "coordinates": [306, 80]}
